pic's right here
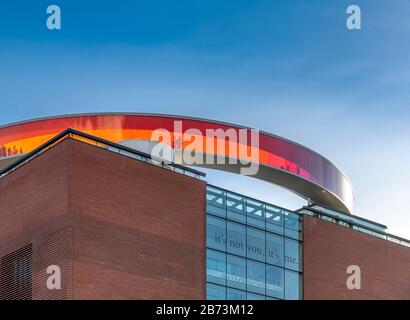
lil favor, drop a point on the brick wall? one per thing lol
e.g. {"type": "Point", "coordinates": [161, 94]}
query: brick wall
{"type": "Point", "coordinates": [136, 231]}
{"type": "Point", "coordinates": [139, 229]}
{"type": "Point", "coordinates": [329, 249]}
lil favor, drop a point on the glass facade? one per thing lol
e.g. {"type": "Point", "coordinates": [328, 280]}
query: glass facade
{"type": "Point", "coordinates": [253, 249]}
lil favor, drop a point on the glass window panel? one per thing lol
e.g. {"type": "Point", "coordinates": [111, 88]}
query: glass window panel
{"type": "Point", "coordinates": [236, 239]}
{"type": "Point", "coordinates": [215, 292]}
{"type": "Point", "coordinates": [215, 267]}
{"type": "Point", "coordinates": [274, 282]}
{"type": "Point", "coordinates": [256, 213]}
{"type": "Point", "coordinates": [253, 296]}
{"type": "Point", "coordinates": [233, 294]}
{"type": "Point", "coordinates": [255, 277]}
{"type": "Point", "coordinates": [274, 219]}
{"type": "Point", "coordinates": [255, 244]}
{"type": "Point", "coordinates": [274, 249]}
{"type": "Point", "coordinates": [326, 218]}
{"type": "Point", "coordinates": [344, 224]}
{"type": "Point", "coordinates": [236, 272]}
{"type": "Point", "coordinates": [216, 233]}
{"type": "Point", "coordinates": [292, 254]}
{"type": "Point", "coordinates": [216, 201]}
{"type": "Point", "coordinates": [239, 274]}
{"type": "Point", "coordinates": [291, 285]}
{"type": "Point", "coordinates": [292, 225]}
{"type": "Point", "coordinates": [236, 207]}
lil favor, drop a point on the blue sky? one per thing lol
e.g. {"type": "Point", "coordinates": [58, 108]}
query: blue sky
{"type": "Point", "coordinates": [288, 67]}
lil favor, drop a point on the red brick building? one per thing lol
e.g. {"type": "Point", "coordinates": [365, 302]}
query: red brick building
{"type": "Point", "coordinates": [119, 227]}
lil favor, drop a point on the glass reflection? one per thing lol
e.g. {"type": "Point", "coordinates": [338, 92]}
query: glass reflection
{"type": "Point", "coordinates": [236, 272]}
{"type": "Point", "coordinates": [291, 285]}
{"type": "Point", "coordinates": [292, 254]}
{"type": "Point", "coordinates": [236, 239]}
{"type": "Point", "coordinates": [255, 276]}
{"type": "Point", "coordinates": [233, 294]}
{"type": "Point", "coordinates": [215, 292]}
{"type": "Point", "coordinates": [215, 267]}
{"type": "Point", "coordinates": [235, 207]}
{"type": "Point", "coordinates": [215, 233]}
{"type": "Point", "coordinates": [252, 253]}
{"type": "Point", "coordinates": [274, 249]}
{"type": "Point", "coordinates": [255, 244]}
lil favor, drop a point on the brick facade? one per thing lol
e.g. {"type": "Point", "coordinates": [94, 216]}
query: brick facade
{"type": "Point", "coordinates": [328, 250]}
{"type": "Point", "coordinates": [138, 230]}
